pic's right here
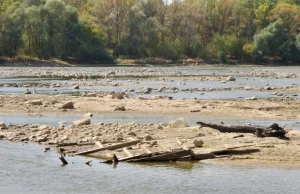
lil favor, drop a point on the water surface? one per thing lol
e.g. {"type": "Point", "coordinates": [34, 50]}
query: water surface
{"type": "Point", "coordinates": [24, 168]}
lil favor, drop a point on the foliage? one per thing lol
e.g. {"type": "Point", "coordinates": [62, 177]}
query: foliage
{"type": "Point", "coordinates": [50, 29]}
{"type": "Point", "coordinates": [275, 40]}
{"type": "Point", "coordinates": [94, 30]}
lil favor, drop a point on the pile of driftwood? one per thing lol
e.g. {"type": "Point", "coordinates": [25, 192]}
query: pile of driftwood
{"type": "Point", "coordinates": [184, 152]}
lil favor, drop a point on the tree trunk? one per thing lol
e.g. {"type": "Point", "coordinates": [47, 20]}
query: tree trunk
{"type": "Point", "coordinates": [273, 131]}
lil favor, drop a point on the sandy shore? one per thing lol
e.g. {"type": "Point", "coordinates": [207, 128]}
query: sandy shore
{"type": "Point", "coordinates": [261, 151]}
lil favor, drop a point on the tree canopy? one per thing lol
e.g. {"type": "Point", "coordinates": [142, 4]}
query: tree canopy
{"type": "Point", "coordinates": [100, 30]}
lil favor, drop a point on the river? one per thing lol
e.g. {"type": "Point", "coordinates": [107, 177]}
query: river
{"type": "Point", "coordinates": [26, 169]}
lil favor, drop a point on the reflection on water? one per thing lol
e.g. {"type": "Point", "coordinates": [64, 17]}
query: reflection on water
{"type": "Point", "coordinates": [24, 168]}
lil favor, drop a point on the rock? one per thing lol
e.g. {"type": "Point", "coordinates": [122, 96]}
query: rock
{"type": "Point", "coordinates": [88, 115]}
{"type": "Point", "coordinates": [62, 123]}
{"type": "Point", "coordinates": [251, 98]}
{"type": "Point", "coordinates": [120, 108]}
{"type": "Point", "coordinates": [52, 142]}
{"type": "Point", "coordinates": [156, 97]}
{"type": "Point", "coordinates": [68, 105]}
{"type": "Point", "coordinates": [161, 89]}
{"type": "Point", "coordinates": [142, 98]}
{"type": "Point", "coordinates": [34, 130]}
{"type": "Point", "coordinates": [27, 92]}
{"type": "Point", "coordinates": [54, 102]}
{"type": "Point", "coordinates": [231, 78]}
{"type": "Point", "coordinates": [118, 96]}
{"type": "Point", "coordinates": [132, 133]}
{"type": "Point", "coordinates": [178, 123]}
{"type": "Point", "coordinates": [145, 90]}
{"type": "Point", "coordinates": [42, 139]}
{"type": "Point", "coordinates": [198, 143]}
{"type": "Point", "coordinates": [148, 137]}
{"type": "Point", "coordinates": [2, 125]}
{"type": "Point", "coordinates": [36, 102]}
{"type": "Point", "coordinates": [91, 95]}
{"type": "Point", "coordinates": [85, 121]}
{"type": "Point", "coordinates": [76, 87]}
{"type": "Point", "coordinates": [46, 132]}
{"type": "Point", "coordinates": [269, 88]}
{"type": "Point", "coordinates": [159, 127]}
{"type": "Point", "coordinates": [43, 127]}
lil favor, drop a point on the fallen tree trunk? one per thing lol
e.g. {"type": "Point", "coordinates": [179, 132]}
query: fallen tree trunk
{"type": "Point", "coordinates": [112, 147]}
{"type": "Point", "coordinates": [273, 131]}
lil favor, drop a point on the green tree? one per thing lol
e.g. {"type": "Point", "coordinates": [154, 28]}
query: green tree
{"type": "Point", "coordinates": [271, 40]}
{"type": "Point", "coordinates": [11, 30]}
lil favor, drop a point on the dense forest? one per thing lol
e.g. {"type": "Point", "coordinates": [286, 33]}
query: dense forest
{"type": "Point", "coordinates": [104, 30]}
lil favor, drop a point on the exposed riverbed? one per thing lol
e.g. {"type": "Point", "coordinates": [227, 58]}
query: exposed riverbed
{"type": "Point", "coordinates": [151, 98]}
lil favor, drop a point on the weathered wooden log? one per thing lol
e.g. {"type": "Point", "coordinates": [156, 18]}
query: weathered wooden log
{"type": "Point", "coordinates": [99, 144]}
{"type": "Point", "coordinates": [145, 149]}
{"type": "Point", "coordinates": [165, 156]}
{"type": "Point", "coordinates": [273, 131]}
{"type": "Point", "coordinates": [112, 147]}
{"type": "Point", "coordinates": [202, 156]}
{"type": "Point", "coordinates": [181, 144]}
{"type": "Point", "coordinates": [135, 157]}
{"type": "Point", "coordinates": [63, 160]}
{"type": "Point", "coordinates": [73, 144]}
{"type": "Point", "coordinates": [127, 152]}
{"type": "Point", "coordinates": [66, 144]}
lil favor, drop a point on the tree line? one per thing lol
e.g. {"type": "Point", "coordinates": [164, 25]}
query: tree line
{"type": "Point", "coordinates": [100, 30]}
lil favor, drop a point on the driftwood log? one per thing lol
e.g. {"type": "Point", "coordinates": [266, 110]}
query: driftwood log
{"type": "Point", "coordinates": [63, 160]}
{"type": "Point", "coordinates": [273, 131]}
{"type": "Point", "coordinates": [111, 147]}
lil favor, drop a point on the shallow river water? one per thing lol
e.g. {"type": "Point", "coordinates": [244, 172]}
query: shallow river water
{"type": "Point", "coordinates": [26, 169]}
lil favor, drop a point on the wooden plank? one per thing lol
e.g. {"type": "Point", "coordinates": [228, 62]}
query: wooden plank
{"type": "Point", "coordinates": [135, 157]}
{"type": "Point", "coordinates": [163, 147]}
{"type": "Point", "coordinates": [165, 156]}
{"type": "Point", "coordinates": [145, 149]}
{"type": "Point", "coordinates": [181, 144]}
{"type": "Point", "coordinates": [221, 150]}
{"type": "Point", "coordinates": [202, 156]}
{"type": "Point", "coordinates": [127, 152]}
{"type": "Point", "coordinates": [111, 147]}
{"type": "Point", "coordinates": [99, 144]}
